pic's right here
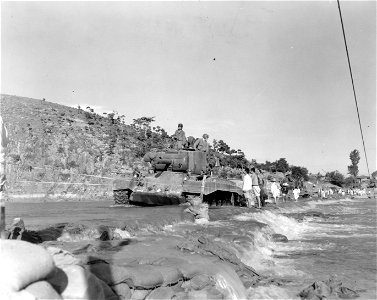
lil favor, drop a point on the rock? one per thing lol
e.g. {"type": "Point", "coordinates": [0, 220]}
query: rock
{"type": "Point", "coordinates": [327, 289]}
{"type": "Point", "coordinates": [317, 290]}
{"type": "Point", "coordinates": [104, 236]}
{"type": "Point", "coordinates": [17, 229]}
{"type": "Point", "coordinates": [18, 222]}
{"type": "Point", "coordinates": [276, 237]}
{"type": "Point", "coordinates": [347, 293]}
{"type": "Point", "coordinates": [15, 233]}
{"type": "Point", "coordinates": [31, 237]}
{"type": "Point", "coordinates": [105, 233]}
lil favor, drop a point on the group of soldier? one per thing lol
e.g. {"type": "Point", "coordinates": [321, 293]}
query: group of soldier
{"type": "Point", "coordinates": [181, 142]}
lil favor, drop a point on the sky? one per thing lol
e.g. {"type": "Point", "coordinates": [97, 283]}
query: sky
{"type": "Point", "coordinates": [270, 78]}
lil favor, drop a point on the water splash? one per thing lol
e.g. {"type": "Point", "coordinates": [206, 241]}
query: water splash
{"type": "Point", "coordinates": [289, 227]}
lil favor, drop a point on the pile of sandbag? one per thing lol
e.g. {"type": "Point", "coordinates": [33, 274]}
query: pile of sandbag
{"type": "Point", "coordinates": [181, 280]}
{"type": "Point", "coordinates": [28, 271]}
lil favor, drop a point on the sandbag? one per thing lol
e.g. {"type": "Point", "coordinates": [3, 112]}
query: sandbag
{"type": "Point", "coordinates": [19, 295]}
{"type": "Point", "coordinates": [197, 295]}
{"type": "Point", "coordinates": [161, 293]}
{"type": "Point", "coordinates": [140, 294]}
{"type": "Point", "coordinates": [74, 282]}
{"type": "Point", "coordinates": [144, 276]}
{"type": "Point", "coordinates": [140, 276]}
{"type": "Point", "coordinates": [189, 270]}
{"type": "Point", "coordinates": [110, 274]}
{"type": "Point", "coordinates": [208, 293]}
{"type": "Point", "coordinates": [199, 282]}
{"type": "Point", "coordinates": [42, 290]}
{"type": "Point", "coordinates": [181, 295]}
{"type": "Point", "coordinates": [122, 290]}
{"type": "Point", "coordinates": [170, 274]}
{"type": "Point", "coordinates": [62, 258]}
{"type": "Point", "coordinates": [23, 263]}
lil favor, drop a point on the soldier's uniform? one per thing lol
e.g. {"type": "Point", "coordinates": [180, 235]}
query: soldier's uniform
{"type": "Point", "coordinates": [180, 139]}
{"type": "Point", "coordinates": [202, 144]}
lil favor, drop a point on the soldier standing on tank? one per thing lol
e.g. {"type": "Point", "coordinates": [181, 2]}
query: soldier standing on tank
{"type": "Point", "coordinates": [179, 137]}
{"type": "Point", "coordinates": [202, 144]}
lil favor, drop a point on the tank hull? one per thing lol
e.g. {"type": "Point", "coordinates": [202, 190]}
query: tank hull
{"type": "Point", "coordinates": [173, 188]}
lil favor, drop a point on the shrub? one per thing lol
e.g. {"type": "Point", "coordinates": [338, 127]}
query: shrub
{"type": "Point", "coordinates": [72, 165]}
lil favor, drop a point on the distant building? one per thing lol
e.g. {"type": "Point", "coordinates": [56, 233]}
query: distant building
{"type": "Point", "coordinates": [363, 180]}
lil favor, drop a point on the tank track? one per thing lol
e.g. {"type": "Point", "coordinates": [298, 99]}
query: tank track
{"type": "Point", "coordinates": [121, 197]}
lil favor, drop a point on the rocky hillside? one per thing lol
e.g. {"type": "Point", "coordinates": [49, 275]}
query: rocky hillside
{"type": "Point", "coordinates": [48, 134]}
{"type": "Point", "coordinates": [55, 143]}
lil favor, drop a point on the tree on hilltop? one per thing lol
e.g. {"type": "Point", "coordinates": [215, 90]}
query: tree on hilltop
{"type": "Point", "coordinates": [143, 123]}
{"type": "Point", "coordinates": [335, 178]}
{"type": "Point", "coordinates": [300, 173]}
{"type": "Point", "coordinates": [223, 147]}
{"type": "Point", "coordinates": [282, 165]}
{"type": "Point", "coordinates": [353, 169]}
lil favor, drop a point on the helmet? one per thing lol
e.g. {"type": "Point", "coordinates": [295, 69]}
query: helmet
{"type": "Point", "coordinates": [180, 125]}
{"type": "Point", "coordinates": [206, 136]}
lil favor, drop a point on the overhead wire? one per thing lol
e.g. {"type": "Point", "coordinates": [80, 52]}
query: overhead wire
{"type": "Point", "coordinates": [353, 85]}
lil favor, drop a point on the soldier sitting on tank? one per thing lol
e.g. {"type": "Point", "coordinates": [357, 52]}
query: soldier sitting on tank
{"type": "Point", "coordinates": [179, 138]}
{"type": "Point", "coordinates": [202, 144]}
{"type": "Point", "coordinates": [190, 142]}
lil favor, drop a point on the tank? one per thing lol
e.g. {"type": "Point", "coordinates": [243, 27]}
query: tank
{"type": "Point", "coordinates": [175, 177]}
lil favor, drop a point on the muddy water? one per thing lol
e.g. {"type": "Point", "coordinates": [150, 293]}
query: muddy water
{"type": "Point", "coordinates": [41, 215]}
{"type": "Point", "coordinates": [326, 238]}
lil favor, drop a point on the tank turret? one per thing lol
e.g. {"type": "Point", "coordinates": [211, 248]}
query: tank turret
{"type": "Point", "coordinates": [192, 162]}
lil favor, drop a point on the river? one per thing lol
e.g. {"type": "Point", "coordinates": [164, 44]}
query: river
{"type": "Point", "coordinates": [335, 237]}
